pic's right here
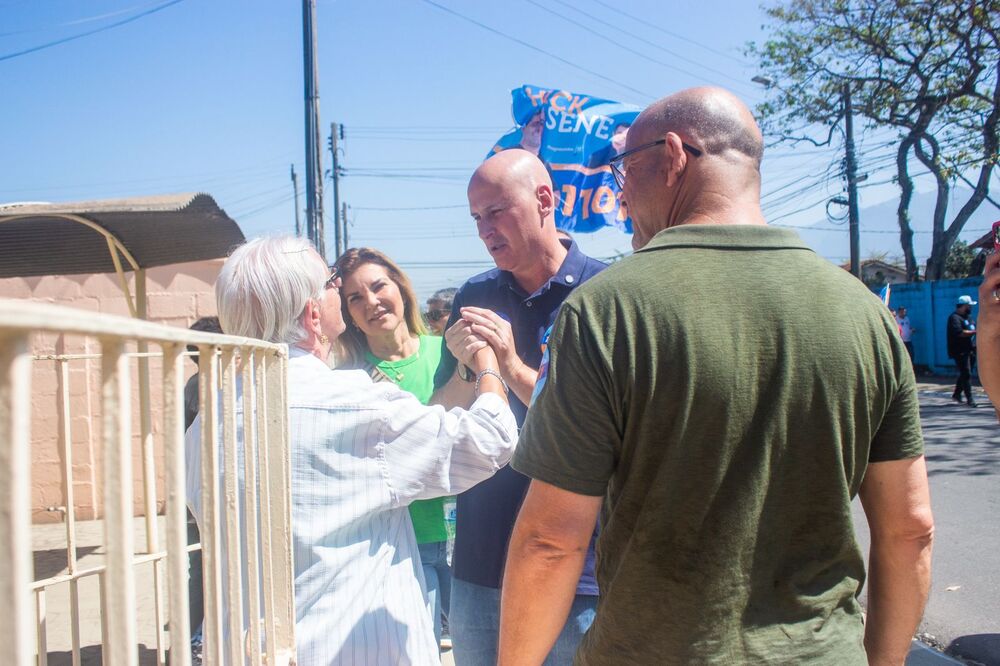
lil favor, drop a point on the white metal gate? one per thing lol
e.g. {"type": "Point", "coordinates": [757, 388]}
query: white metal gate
{"type": "Point", "coordinates": [265, 492]}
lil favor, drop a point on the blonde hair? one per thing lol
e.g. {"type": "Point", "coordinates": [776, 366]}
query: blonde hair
{"type": "Point", "coordinates": [353, 344]}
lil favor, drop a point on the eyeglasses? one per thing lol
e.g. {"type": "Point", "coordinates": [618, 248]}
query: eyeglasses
{"type": "Point", "coordinates": [437, 315]}
{"type": "Point", "coordinates": [333, 280]}
{"type": "Point", "coordinates": [618, 165]}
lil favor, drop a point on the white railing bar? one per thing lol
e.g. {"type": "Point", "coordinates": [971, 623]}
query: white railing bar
{"type": "Point", "coordinates": [281, 483]}
{"type": "Point", "coordinates": [42, 634]}
{"type": "Point", "coordinates": [261, 373]}
{"type": "Point", "coordinates": [231, 510]}
{"type": "Point", "coordinates": [149, 486]}
{"type": "Point", "coordinates": [116, 413]}
{"type": "Point", "coordinates": [102, 586]}
{"type": "Point", "coordinates": [250, 502]}
{"type": "Point", "coordinates": [15, 499]}
{"type": "Point", "coordinates": [74, 606]}
{"type": "Point", "coordinates": [145, 558]}
{"type": "Point", "coordinates": [66, 444]}
{"type": "Point", "coordinates": [208, 389]}
{"type": "Point", "coordinates": [173, 451]}
{"type": "Point", "coordinates": [94, 357]}
{"type": "Point", "coordinates": [26, 316]}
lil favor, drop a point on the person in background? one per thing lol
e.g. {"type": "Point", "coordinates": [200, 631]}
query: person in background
{"type": "Point", "coordinates": [360, 453]}
{"type": "Point", "coordinates": [439, 309]}
{"type": "Point", "coordinates": [386, 338]}
{"type": "Point", "coordinates": [531, 134]}
{"type": "Point", "coordinates": [510, 309]}
{"type": "Point", "coordinates": [989, 330]}
{"type": "Point", "coordinates": [906, 330]}
{"type": "Point", "coordinates": [961, 347]}
{"type": "Point", "coordinates": [724, 457]}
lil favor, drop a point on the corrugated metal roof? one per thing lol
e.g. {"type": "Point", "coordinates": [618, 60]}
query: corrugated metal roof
{"type": "Point", "coordinates": [157, 231]}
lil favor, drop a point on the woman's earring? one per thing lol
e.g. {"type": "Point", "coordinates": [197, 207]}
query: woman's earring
{"type": "Point", "coordinates": [323, 339]}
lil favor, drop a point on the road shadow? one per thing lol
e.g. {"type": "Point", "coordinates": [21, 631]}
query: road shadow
{"type": "Point", "coordinates": [977, 648]}
{"type": "Point", "coordinates": [959, 439]}
{"type": "Point", "coordinates": [52, 561]}
{"type": "Point", "coordinates": [92, 655]}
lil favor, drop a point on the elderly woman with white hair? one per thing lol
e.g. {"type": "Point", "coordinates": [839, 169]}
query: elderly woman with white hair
{"type": "Point", "coordinates": [361, 452]}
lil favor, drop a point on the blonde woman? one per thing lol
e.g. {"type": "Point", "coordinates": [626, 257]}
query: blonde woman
{"type": "Point", "coordinates": [386, 337]}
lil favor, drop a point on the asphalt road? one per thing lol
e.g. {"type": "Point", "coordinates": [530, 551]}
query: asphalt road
{"type": "Point", "coordinates": [962, 446]}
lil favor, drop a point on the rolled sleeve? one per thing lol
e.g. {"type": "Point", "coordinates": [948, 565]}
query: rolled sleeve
{"type": "Point", "coordinates": [430, 452]}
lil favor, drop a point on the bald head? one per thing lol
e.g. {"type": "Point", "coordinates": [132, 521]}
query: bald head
{"type": "Point", "coordinates": [513, 168]}
{"type": "Point", "coordinates": [715, 119]}
{"type": "Point", "coordinates": [511, 200]}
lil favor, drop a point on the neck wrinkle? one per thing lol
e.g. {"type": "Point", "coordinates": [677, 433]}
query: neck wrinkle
{"type": "Point", "coordinates": [544, 269]}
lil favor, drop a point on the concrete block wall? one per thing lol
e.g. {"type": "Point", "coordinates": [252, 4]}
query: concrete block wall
{"type": "Point", "coordinates": [177, 296]}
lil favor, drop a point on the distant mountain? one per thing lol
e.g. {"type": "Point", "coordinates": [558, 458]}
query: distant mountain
{"type": "Point", "coordinates": [880, 230]}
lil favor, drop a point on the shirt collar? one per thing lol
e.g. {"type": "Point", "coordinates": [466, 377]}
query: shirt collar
{"type": "Point", "coordinates": [570, 272]}
{"type": "Point", "coordinates": [728, 236]}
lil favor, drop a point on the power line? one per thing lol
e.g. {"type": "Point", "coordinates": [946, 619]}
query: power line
{"type": "Point", "coordinates": [89, 19]}
{"type": "Point", "coordinates": [645, 22]}
{"type": "Point", "coordinates": [620, 45]}
{"type": "Point", "coordinates": [81, 35]}
{"type": "Point", "coordinates": [538, 49]}
{"type": "Point", "coordinates": [401, 208]}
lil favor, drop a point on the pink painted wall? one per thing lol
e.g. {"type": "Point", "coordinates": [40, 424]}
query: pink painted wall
{"type": "Point", "coordinates": [177, 296]}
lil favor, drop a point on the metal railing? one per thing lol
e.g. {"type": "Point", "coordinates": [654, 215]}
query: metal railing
{"type": "Point", "coordinates": [257, 538]}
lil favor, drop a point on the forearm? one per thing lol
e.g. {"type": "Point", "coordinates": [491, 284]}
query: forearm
{"type": "Point", "coordinates": [456, 393]}
{"type": "Point", "coordinates": [989, 366]}
{"type": "Point", "coordinates": [538, 590]}
{"type": "Point", "coordinates": [521, 380]}
{"type": "Point", "coordinates": [899, 574]}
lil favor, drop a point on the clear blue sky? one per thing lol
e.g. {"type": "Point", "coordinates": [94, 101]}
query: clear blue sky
{"type": "Point", "coordinates": [207, 96]}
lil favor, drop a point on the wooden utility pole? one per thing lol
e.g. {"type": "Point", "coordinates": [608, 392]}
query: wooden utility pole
{"type": "Point", "coordinates": [339, 245]}
{"type": "Point", "coordinates": [295, 189]}
{"type": "Point", "coordinates": [851, 165]}
{"type": "Point", "coordinates": [343, 228]}
{"type": "Point", "coordinates": [314, 164]}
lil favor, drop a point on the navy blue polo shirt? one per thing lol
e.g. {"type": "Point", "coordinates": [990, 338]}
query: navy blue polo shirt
{"type": "Point", "coordinates": [485, 513]}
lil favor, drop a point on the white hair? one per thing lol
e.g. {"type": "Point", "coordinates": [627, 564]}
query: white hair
{"type": "Point", "coordinates": [265, 285]}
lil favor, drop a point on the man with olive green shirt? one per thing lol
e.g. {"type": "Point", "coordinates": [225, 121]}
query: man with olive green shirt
{"type": "Point", "coordinates": [724, 455]}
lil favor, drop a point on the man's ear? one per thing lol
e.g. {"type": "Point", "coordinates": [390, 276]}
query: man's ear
{"type": "Point", "coordinates": [311, 319]}
{"type": "Point", "coordinates": [546, 199]}
{"type": "Point", "coordinates": [677, 159]}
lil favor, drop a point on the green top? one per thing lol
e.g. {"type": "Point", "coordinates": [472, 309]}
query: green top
{"type": "Point", "coordinates": [416, 374]}
{"type": "Point", "coordinates": [725, 388]}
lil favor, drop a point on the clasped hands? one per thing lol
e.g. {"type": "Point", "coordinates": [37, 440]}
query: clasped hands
{"type": "Point", "coordinates": [477, 329]}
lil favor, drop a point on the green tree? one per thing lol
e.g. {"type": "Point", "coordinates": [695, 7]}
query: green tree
{"type": "Point", "coordinates": [958, 263]}
{"type": "Point", "coordinates": [927, 69]}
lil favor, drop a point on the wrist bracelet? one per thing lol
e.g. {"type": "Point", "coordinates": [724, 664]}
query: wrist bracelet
{"type": "Point", "coordinates": [496, 374]}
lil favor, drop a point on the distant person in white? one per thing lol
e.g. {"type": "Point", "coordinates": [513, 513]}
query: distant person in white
{"type": "Point", "coordinates": [906, 331]}
{"type": "Point", "coordinates": [360, 453]}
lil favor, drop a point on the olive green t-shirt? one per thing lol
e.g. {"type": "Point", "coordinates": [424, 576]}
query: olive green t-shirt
{"type": "Point", "coordinates": [724, 389]}
{"type": "Point", "coordinates": [415, 374]}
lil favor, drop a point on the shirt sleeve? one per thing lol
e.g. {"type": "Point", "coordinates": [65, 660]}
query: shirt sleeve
{"type": "Point", "coordinates": [899, 435]}
{"type": "Point", "coordinates": [448, 362]}
{"type": "Point", "coordinates": [430, 452]}
{"type": "Point", "coordinates": [954, 326]}
{"type": "Point", "coordinates": [573, 433]}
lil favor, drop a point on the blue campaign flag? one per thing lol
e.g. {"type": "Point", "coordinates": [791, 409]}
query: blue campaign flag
{"type": "Point", "coordinates": [579, 135]}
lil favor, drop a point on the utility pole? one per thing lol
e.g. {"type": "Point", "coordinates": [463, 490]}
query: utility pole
{"type": "Point", "coordinates": [339, 245]}
{"type": "Point", "coordinates": [314, 163]}
{"type": "Point", "coordinates": [852, 184]}
{"type": "Point", "coordinates": [295, 188]}
{"type": "Point", "coordinates": [343, 231]}
{"type": "Point", "coordinates": [851, 167]}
